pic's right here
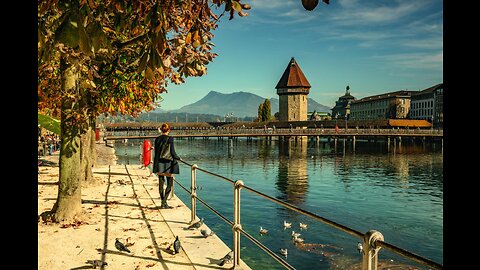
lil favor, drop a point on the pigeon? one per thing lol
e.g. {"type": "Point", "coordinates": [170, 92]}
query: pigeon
{"type": "Point", "coordinates": [196, 225]}
{"type": "Point", "coordinates": [176, 245]}
{"type": "Point", "coordinates": [96, 263]}
{"type": "Point", "coordinates": [294, 234]}
{"type": "Point", "coordinates": [207, 232]}
{"type": "Point", "coordinates": [360, 247]}
{"type": "Point", "coordinates": [120, 246]}
{"type": "Point", "coordinates": [284, 252]}
{"type": "Point", "coordinates": [303, 226]}
{"type": "Point", "coordinates": [263, 231]}
{"type": "Point", "coordinates": [226, 259]}
{"type": "Point", "coordinates": [286, 224]}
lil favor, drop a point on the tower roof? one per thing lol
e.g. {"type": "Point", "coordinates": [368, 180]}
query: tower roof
{"type": "Point", "coordinates": [293, 77]}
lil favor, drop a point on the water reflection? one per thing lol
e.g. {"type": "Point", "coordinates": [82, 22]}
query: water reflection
{"type": "Point", "coordinates": [397, 190]}
{"type": "Point", "coordinates": [292, 178]}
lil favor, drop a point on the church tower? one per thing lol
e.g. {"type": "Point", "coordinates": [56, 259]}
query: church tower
{"type": "Point", "coordinates": [292, 90]}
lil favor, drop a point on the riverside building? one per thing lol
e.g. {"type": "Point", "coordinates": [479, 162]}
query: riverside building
{"type": "Point", "coordinates": [385, 106]}
{"type": "Point", "coordinates": [342, 106]}
{"type": "Point", "coordinates": [428, 105]}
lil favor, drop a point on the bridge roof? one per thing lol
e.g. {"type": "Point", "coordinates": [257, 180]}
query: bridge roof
{"type": "Point", "coordinates": [293, 77]}
{"type": "Point", "coordinates": [409, 123]}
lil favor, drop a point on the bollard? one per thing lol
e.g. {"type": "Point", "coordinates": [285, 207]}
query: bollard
{"type": "Point", "coordinates": [236, 223]}
{"type": "Point", "coordinates": [370, 250]}
{"type": "Point", "coordinates": [193, 190]}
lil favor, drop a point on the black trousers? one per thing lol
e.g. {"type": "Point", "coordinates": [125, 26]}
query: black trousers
{"type": "Point", "coordinates": [164, 193]}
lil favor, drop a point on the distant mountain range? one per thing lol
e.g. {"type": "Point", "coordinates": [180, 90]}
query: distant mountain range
{"type": "Point", "coordinates": [242, 104]}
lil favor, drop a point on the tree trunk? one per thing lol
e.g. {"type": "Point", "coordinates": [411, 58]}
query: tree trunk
{"type": "Point", "coordinates": [68, 206]}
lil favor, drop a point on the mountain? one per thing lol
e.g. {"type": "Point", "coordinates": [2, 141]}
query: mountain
{"type": "Point", "coordinates": [240, 103]}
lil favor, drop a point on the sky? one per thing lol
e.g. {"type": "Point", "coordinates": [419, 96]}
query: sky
{"type": "Point", "coordinates": [374, 46]}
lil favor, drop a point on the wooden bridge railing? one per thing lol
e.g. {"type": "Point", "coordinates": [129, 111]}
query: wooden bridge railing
{"type": "Point", "coordinates": [247, 132]}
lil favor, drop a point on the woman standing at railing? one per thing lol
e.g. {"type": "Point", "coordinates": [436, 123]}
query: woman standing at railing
{"type": "Point", "coordinates": [165, 163]}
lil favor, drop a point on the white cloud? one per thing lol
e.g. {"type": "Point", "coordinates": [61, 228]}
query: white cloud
{"type": "Point", "coordinates": [414, 60]}
{"type": "Point", "coordinates": [357, 12]}
{"type": "Point", "coordinates": [270, 4]}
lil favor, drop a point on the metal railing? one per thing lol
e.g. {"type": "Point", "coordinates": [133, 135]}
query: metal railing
{"type": "Point", "coordinates": [372, 240]}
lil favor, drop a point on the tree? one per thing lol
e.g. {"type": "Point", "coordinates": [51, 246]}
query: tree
{"type": "Point", "coordinates": [114, 56]}
{"type": "Point", "coordinates": [260, 112]}
{"type": "Point", "coordinates": [266, 110]}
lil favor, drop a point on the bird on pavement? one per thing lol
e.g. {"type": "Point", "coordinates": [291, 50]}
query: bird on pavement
{"type": "Point", "coordinates": [96, 263]}
{"type": "Point", "coordinates": [207, 232]}
{"type": "Point", "coordinates": [226, 259]}
{"type": "Point", "coordinates": [196, 225]}
{"type": "Point", "coordinates": [176, 245]}
{"type": "Point", "coordinates": [120, 246]}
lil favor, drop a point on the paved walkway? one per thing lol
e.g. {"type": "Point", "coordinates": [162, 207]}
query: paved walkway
{"type": "Point", "coordinates": [123, 203]}
{"type": "Point", "coordinates": [162, 225]}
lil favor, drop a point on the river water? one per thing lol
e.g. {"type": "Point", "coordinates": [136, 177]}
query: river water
{"type": "Point", "coordinates": [394, 189]}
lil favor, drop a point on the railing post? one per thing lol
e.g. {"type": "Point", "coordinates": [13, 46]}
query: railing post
{"type": "Point", "coordinates": [193, 190]}
{"type": "Point", "coordinates": [236, 223]}
{"type": "Point", "coordinates": [370, 250]}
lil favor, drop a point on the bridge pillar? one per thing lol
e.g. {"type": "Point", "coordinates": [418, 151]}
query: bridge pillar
{"type": "Point", "coordinates": [335, 140]}
{"type": "Point", "coordinates": [353, 140]}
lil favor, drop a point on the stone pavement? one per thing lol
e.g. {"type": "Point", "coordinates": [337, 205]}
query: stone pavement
{"type": "Point", "coordinates": [162, 225]}
{"type": "Point", "coordinates": [124, 203]}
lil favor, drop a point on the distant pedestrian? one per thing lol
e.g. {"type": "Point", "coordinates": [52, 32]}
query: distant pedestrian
{"type": "Point", "coordinates": [165, 163]}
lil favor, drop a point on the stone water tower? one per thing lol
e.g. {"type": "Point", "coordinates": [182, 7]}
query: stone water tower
{"type": "Point", "coordinates": [292, 90]}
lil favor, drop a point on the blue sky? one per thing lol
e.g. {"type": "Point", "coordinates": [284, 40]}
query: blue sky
{"type": "Point", "coordinates": [374, 46]}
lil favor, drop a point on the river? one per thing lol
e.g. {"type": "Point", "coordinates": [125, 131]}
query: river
{"type": "Point", "coordinates": [396, 190]}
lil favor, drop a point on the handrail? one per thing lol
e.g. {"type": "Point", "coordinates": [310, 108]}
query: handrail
{"type": "Point", "coordinates": [246, 234]}
{"type": "Point", "coordinates": [372, 240]}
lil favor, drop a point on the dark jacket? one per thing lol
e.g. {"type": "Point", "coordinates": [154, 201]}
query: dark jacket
{"type": "Point", "coordinates": [161, 166]}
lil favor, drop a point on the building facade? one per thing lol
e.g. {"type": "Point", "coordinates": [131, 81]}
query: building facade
{"type": "Point", "coordinates": [438, 105]}
{"type": "Point", "coordinates": [427, 105]}
{"type": "Point", "coordinates": [342, 105]}
{"type": "Point", "coordinates": [385, 106]}
{"type": "Point", "coordinates": [292, 89]}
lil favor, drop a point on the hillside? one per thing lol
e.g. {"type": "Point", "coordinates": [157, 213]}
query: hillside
{"type": "Point", "coordinates": [240, 103]}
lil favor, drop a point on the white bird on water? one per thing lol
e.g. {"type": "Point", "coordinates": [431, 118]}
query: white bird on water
{"type": "Point", "coordinates": [303, 225]}
{"type": "Point", "coordinates": [360, 247]}
{"type": "Point", "coordinates": [284, 252]}
{"type": "Point", "coordinates": [286, 224]}
{"type": "Point", "coordinates": [297, 239]}
{"type": "Point", "coordinates": [294, 234]}
{"type": "Point", "coordinates": [263, 231]}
